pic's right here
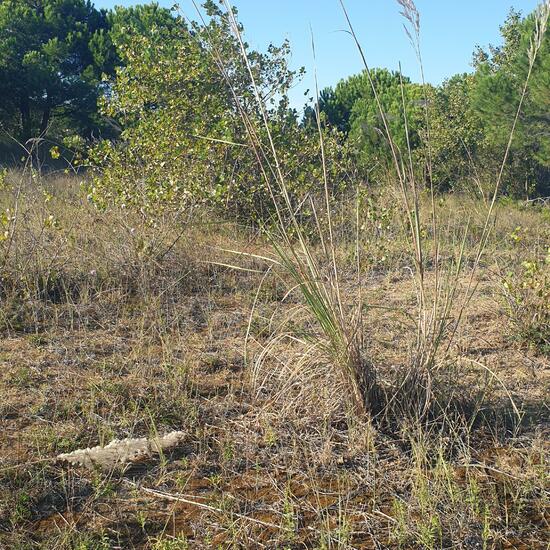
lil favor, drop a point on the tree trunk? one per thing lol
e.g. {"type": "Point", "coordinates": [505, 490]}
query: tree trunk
{"type": "Point", "coordinates": [25, 110]}
{"type": "Point", "coordinates": [45, 120]}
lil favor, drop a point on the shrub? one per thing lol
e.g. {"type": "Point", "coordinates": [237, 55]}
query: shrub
{"type": "Point", "coordinates": [185, 119]}
{"type": "Point", "coordinates": [527, 298]}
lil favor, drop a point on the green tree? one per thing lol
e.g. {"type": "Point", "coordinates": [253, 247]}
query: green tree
{"type": "Point", "coordinates": [52, 54]}
{"type": "Point", "coordinates": [500, 77]}
{"type": "Point", "coordinates": [351, 107]}
{"type": "Point", "coordinates": [456, 133]}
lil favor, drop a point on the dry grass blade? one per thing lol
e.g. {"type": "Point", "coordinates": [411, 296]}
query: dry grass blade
{"type": "Point", "coordinates": [187, 500]}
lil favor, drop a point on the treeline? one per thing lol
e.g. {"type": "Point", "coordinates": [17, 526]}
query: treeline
{"type": "Point", "coordinates": [164, 109]}
{"type": "Point", "coordinates": [57, 60]}
{"type": "Point", "coordinates": [469, 117]}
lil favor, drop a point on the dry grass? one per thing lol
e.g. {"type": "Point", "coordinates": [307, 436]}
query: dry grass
{"type": "Point", "coordinates": [109, 331]}
{"type": "Point", "coordinates": [359, 389]}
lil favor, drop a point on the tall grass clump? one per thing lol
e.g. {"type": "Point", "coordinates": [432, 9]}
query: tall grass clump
{"type": "Point", "coordinates": [336, 339]}
{"type": "Point", "coordinates": [335, 312]}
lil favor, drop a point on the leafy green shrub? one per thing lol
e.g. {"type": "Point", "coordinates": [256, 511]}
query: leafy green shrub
{"type": "Point", "coordinates": [527, 294]}
{"type": "Point", "coordinates": [184, 99]}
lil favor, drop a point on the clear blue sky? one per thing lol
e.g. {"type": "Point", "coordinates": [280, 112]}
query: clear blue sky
{"type": "Point", "coordinates": [450, 31]}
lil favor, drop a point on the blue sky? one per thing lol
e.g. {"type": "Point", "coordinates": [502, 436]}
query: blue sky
{"type": "Point", "coordinates": [450, 31]}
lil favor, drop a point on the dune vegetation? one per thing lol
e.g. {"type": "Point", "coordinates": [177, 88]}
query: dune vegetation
{"type": "Point", "coordinates": [226, 326]}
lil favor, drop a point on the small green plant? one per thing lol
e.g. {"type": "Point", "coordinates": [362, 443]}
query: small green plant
{"type": "Point", "coordinates": [486, 532]}
{"type": "Point", "coordinates": [339, 537]}
{"type": "Point", "coordinates": [102, 488]}
{"type": "Point", "coordinates": [170, 543]}
{"type": "Point", "coordinates": [228, 452]}
{"type": "Point", "coordinates": [3, 178]}
{"type": "Point", "coordinates": [22, 377]}
{"type": "Point", "coordinates": [270, 436]}
{"type": "Point", "coordinates": [92, 542]}
{"type": "Point", "coordinates": [141, 518]}
{"type": "Point", "coordinates": [400, 530]}
{"type": "Point", "coordinates": [429, 532]}
{"type": "Point", "coordinates": [289, 523]}
{"type": "Point", "coordinates": [22, 508]}
{"type": "Point", "coordinates": [527, 300]}
{"type": "Point", "coordinates": [473, 497]}
{"type": "Point", "coordinates": [516, 235]}
{"type": "Point", "coordinates": [215, 480]}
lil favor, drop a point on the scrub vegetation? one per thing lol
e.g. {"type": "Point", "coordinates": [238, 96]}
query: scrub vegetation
{"type": "Point", "coordinates": [320, 331]}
